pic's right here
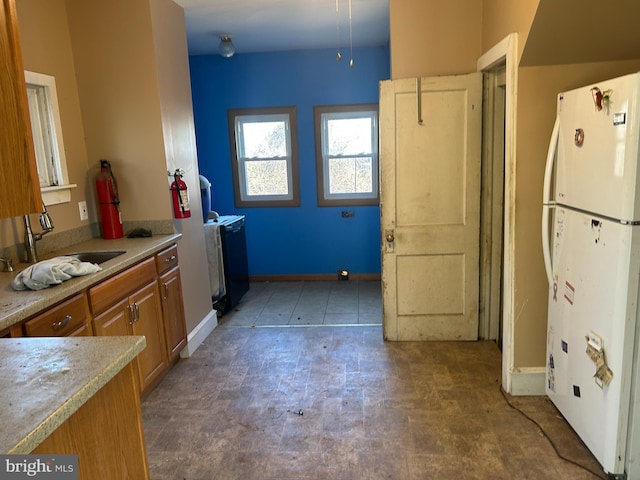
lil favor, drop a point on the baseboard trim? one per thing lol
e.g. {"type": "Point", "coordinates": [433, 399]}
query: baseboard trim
{"type": "Point", "coordinates": [528, 381]}
{"type": "Point", "coordinates": [313, 277]}
{"type": "Point", "coordinates": [198, 334]}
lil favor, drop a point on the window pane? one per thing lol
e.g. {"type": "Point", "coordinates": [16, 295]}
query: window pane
{"type": "Point", "coordinates": [349, 136]}
{"type": "Point", "coordinates": [350, 175]}
{"type": "Point", "coordinates": [266, 177]}
{"type": "Point", "coordinates": [264, 139]}
{"type": "Point", "coordinates": [41, 131]}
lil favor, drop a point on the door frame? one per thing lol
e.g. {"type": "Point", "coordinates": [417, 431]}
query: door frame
{"type": "Point", "coordinates": [506, 52]}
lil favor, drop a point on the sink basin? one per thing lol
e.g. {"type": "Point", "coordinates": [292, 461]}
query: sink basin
{"type": "Point", "coordinates": [96, 257]}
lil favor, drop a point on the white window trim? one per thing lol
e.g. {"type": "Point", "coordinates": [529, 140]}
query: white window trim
{"type": "Point", "coordinates": [52, 195]}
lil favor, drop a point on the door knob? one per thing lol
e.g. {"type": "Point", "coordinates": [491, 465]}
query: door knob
{"type": "Point", "coordinates": [389, 236]}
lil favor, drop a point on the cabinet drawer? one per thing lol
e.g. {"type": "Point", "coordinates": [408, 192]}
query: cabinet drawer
{"type": "Point", "coordinates": [60, 320]}
{"type": "Point", "coordinates": [167, 259]}
{"type": "Point", "coordinates": [107, 293]}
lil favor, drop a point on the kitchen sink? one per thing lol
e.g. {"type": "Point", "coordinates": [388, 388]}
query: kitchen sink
{"type": "Point", "coordinates": [96, 257]}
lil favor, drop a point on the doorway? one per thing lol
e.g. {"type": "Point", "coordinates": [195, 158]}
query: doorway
{"type": "Point", "coordinates": [492, 204]}
{"type": "Point", "coordinates": [505, 53]}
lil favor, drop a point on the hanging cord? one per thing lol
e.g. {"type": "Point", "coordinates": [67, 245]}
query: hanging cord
{"type": "Point", "coordinates": [350, 37]}
{"type": "Point", "coordinates": [338, 56]}
{"type": "Point", "coordinates": [602, 476]}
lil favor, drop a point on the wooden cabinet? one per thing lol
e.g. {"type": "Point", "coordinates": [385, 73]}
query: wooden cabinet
{"type": "Point", "coordinates": [129, 304]}
{"type": "Point", "coordinates": [145, 299]}
{"type": "Point", "coordinates": [16, 148]}
{"type": "Point", "coordinates": [172, 305]}
{"type": "Point", "coordinates": [69, 318]}
{"type": "Point", "coordinates": [106, 433]}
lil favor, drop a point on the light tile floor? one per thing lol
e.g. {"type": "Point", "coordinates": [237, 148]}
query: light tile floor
{"type": "Point", "coordinates": [308, 303]}
{"type": "Point", "coordinates": [370, 409]}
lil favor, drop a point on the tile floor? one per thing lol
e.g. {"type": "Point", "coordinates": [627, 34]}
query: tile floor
{"type": "Point", "coordinates": [370, 409]}
{"type": "Point", "coordinates": [308, 303]}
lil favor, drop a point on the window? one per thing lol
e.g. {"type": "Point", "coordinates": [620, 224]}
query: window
{"type": "Point", "coordinates": [264, 157]}
{"type": "Point", "coordinates": [47, 138]}
{"type": "Point", "coordinates": [347, 154]}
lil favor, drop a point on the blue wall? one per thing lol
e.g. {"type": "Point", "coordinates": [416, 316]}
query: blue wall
{"type": "Point", "coordinates": [307, 239]}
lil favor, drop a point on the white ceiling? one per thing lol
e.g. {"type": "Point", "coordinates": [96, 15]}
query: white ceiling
{"type": "Point", "coordinates": [273, 25]}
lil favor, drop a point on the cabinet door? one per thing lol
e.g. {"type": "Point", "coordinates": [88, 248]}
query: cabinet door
{"type": "Point", "coordinates": [153, 360]}
{"type": "Point", "coordinates": [16, 148]}
{"type": "Point", "coordinates": [114, 321]}
{"type": "Point", "coordinates": [173, 312]}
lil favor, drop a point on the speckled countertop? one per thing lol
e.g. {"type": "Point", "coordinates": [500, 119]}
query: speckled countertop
{"type": "Point", "coordinates": [43, 381]}
{"type": "Point", "coordinates": [17, 306]}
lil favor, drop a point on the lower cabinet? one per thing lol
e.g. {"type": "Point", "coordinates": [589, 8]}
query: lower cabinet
{"type": "Point", "coordinates": [106, 433]}
{"type": "Point", "coordinates": [145, 299]}
{"type": "Point", "coordinates": [137, 311]}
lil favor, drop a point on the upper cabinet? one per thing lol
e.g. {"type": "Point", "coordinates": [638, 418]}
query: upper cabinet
{"type": "Point", "coordinates": [20, 192]}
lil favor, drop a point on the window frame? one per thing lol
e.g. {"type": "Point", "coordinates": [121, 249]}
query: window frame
{"type": "Point", "coordinates": [293, 197]}
{"type": "Point", "coordinates": [351, 199]}
{"type": "Point", "coordinates": [47, 136]}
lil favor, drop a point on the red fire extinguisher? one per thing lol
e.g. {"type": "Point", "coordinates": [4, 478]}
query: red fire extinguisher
{"type": "Point", "coordinates": [180, 195]}
{"type": "Point", "coordinates": [108, 201]}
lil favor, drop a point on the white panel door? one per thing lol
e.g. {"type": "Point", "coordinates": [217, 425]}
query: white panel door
{"type": "Point", "coordinates": [430, 150]}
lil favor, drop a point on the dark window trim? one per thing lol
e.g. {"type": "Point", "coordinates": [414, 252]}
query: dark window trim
{"type": "Point", "coordinates": [318, 110]}
{"type": "Point", "coordinates": [232, 113]}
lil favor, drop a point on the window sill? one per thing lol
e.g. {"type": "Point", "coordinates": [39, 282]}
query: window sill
{"type": "Point", "coordinates": [58, 194]}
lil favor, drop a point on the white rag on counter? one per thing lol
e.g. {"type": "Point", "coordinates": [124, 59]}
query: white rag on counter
{"type": "Point", "coordinates": [52, 272]}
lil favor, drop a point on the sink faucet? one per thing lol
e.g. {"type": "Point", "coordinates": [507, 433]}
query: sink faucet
{"type": "Point", "coordinates": [31, 238]}
{"type": "Point", "coordinates": [7, 263]}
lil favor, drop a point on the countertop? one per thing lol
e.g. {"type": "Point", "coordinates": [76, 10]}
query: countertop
{"type": "Point", "coordinates": [43, 381]}
{"type": "Point", "coordinates": [16, 306]}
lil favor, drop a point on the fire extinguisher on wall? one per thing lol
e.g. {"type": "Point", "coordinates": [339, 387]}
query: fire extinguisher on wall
{"type": "Point", "coordinates": [180, 195]}
{"type": "Point", "coordinates": [109, 203]}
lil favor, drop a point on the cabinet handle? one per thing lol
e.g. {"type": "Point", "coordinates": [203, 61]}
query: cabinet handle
{"type": "Point", "coordinates": [61, 323]}
{"type": "Point", "coordinates": [170, 259]}
{"type": "Point", "coordinates": [132, 315]}
{"type": "Point", "coordinates": [137, 311]}
{"type": "Point", "coordinates": [166, 290]}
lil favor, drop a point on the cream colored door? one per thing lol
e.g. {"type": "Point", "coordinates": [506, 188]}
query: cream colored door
{"type": "Point", "coordinates": [430, 150]}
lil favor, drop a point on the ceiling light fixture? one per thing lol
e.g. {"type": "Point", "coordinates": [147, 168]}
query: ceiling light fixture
{"type": "Point", "coordinates": [226, 47]}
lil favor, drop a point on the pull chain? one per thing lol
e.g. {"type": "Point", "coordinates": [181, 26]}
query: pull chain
{"type": "Point", "coordinates": [338, 56]}
{"type": "Point", "coordinates": [350, 37]}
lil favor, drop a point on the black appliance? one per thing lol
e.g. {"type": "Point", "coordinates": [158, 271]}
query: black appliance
{"type": "Point", "coordinates": [234, 260]}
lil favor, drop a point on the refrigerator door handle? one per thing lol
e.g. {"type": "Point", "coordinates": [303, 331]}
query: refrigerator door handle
{"type": "Point", "coordinates": [551, 156]}
{"type": "Point", "coordinates": [547, 202]}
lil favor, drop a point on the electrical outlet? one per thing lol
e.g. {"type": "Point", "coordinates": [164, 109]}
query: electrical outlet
{"type": "Point", "coordinates": [84, 214]}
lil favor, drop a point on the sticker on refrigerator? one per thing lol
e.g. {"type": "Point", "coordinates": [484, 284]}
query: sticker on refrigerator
{"type": "Point", "coordinates": [619, 118]}
{"type": "Point", "coordinates": [569, 292]}
{"type": "Point", "coordinates": [551, 380]}
{"type": "Point", "coordinates": [595, 351]}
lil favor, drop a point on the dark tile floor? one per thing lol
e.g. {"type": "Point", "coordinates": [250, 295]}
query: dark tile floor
{"type": "Point", "coordinates": [370, 409]}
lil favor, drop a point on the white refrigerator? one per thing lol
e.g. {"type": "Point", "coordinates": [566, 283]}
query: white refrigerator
{"type": "Point", "coordinates": [591, 245]}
